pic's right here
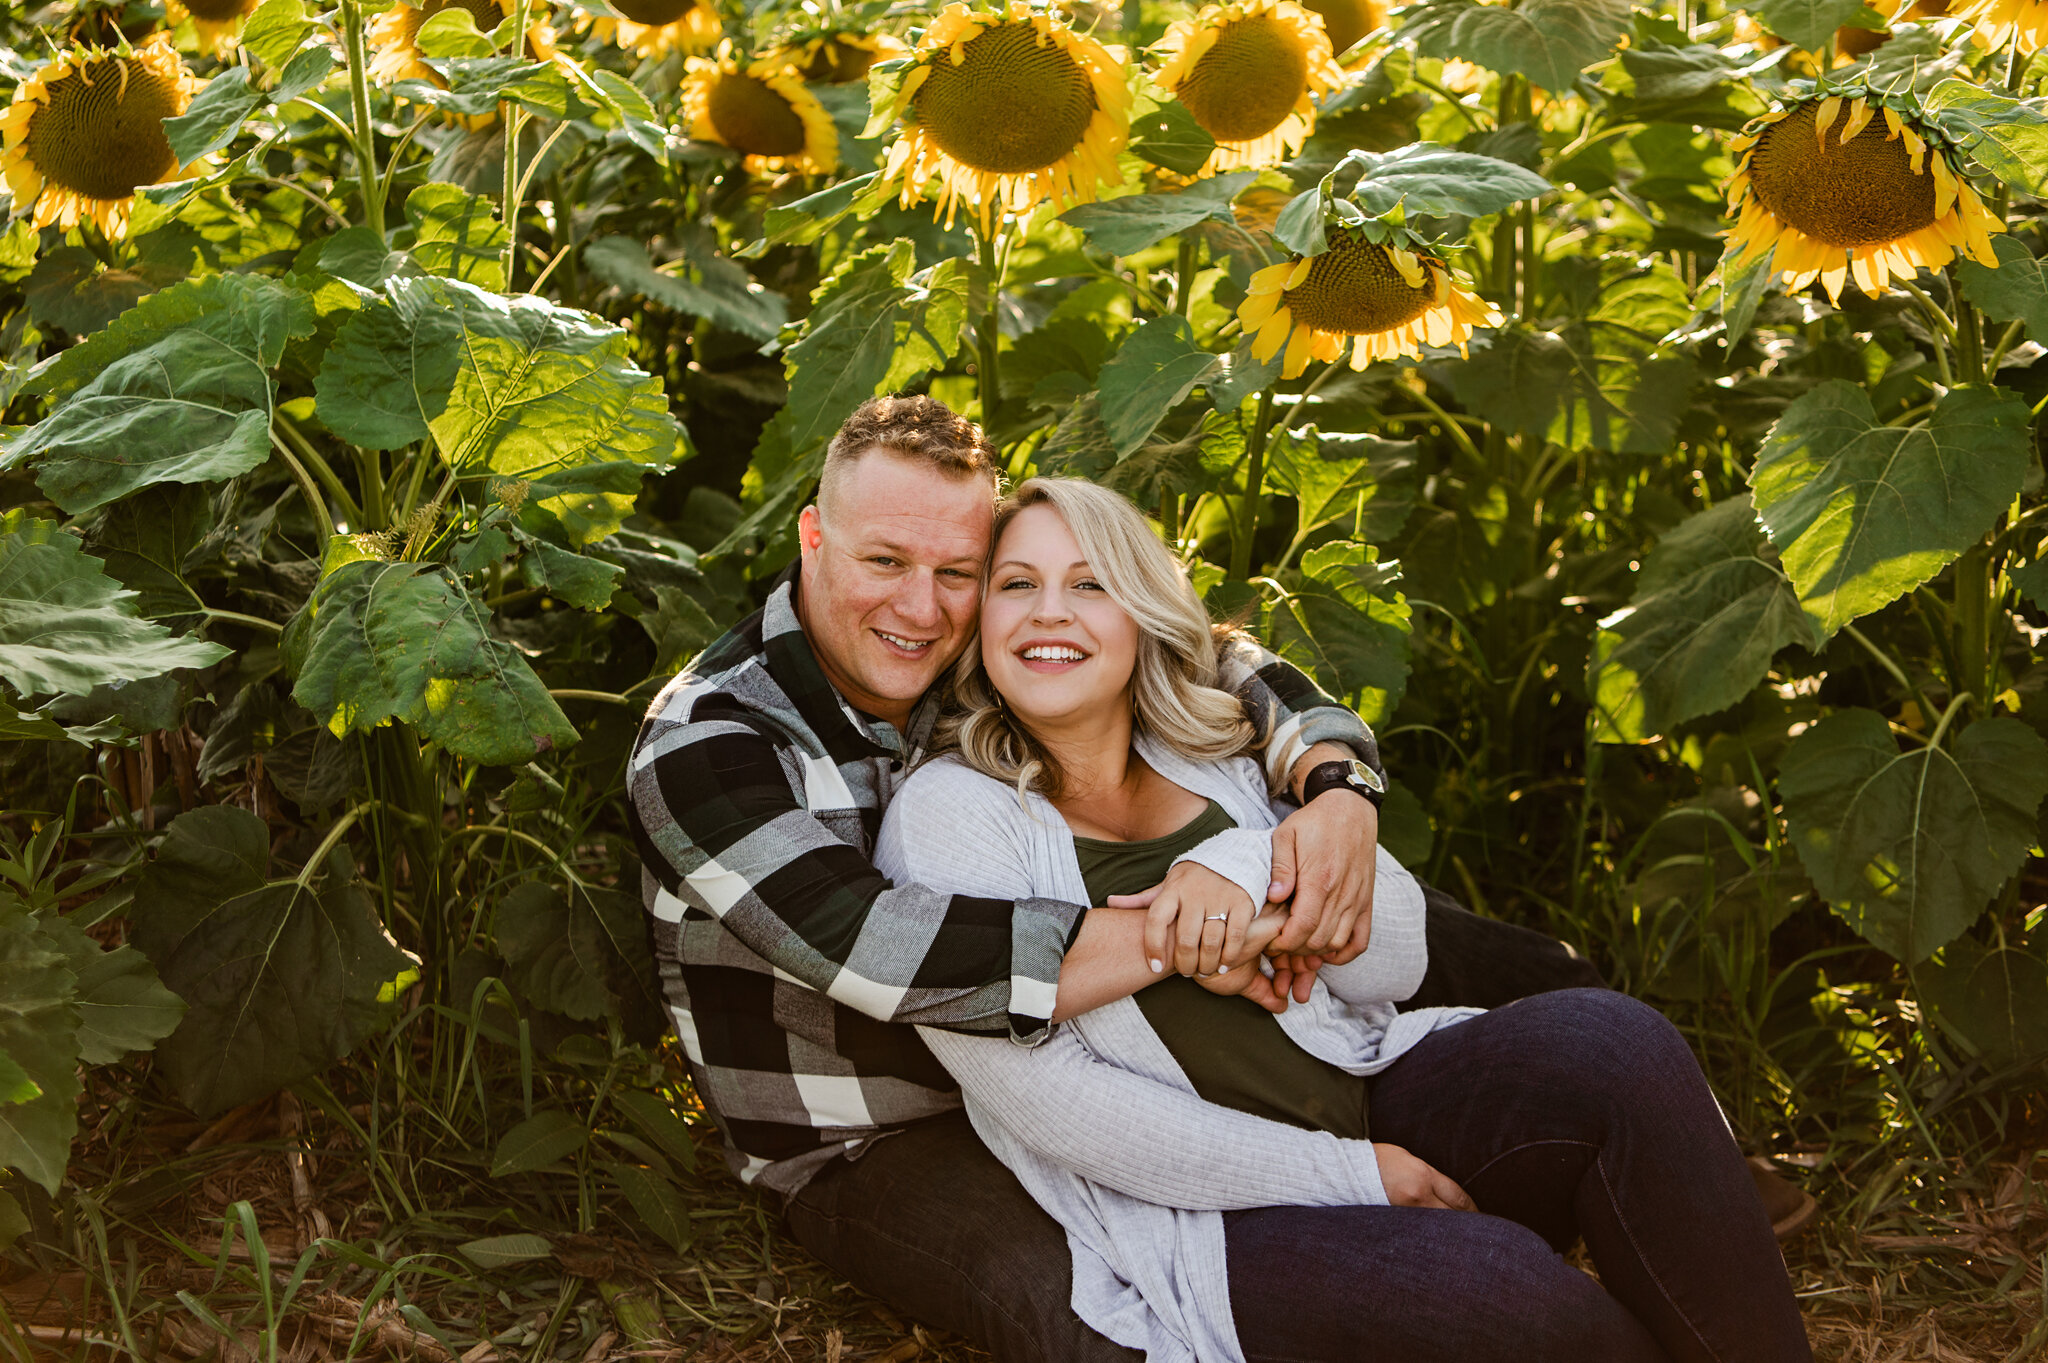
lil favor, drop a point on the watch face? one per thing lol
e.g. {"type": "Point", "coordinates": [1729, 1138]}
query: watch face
{"type": "Point", "coordinates": [1365, 776]}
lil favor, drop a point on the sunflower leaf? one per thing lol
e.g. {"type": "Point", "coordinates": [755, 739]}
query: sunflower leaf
{"type": "Point", "coordinates": [1908, 847]}
{"type": "Point", "coordinates": [39, 1032]}
{"type": "Point", "coordinates": [66, 627]}
{"type": "Point", "coordinates": [1864, 512]}
{"type": "Point", "coordinates": [1993, 999]}
{"type": "Point", "coordinates": [803, 222]}
{"type": "Point", "coordinates": [2015, 291]}
{"type": "Point", "coordinates": [274, 33]}
{"type": "Point", "coordinates": [1343, 622]}
{"type": "Point", "coordinates": [281, 978]}
{"type": "Point", "coordinates": [457, 235]}
{"type": "Point", "coordinates": [1811, 24]}
{"type": "Point", "coordinates": [382, 641]}
{"type": "Point", "coordinates": [1711, 609]}
{"type": "Point", "coordinates": [738, 305]}
{"type": "Point", "coordinates": [216, 114]}
{"type": "Point", "coordinates": [542, 388]}
{"type": "Point", "coordinates": [249, 313]}
{"type": "Point", "coordinates": [1169, 137]}
{"type": "Point", "coordinates": [2006, 136]}
{"type": "Point", "coordinates": [1130, 224]}
{"type": "Point", "coordinates": [849, 342]}
{"type": "Point", "coordinates": [1360, 480]}
{"type": "Point", "coordinates": [1549, 41]}
{"type": "Point", "coordinates": [1148, 376]}
{"type": "Point", "coordinates": [122, 1005]}
{"type": "Point", "coordinates": [1431, 181]}
{"type": "Point", "coordinates": [389, 371]}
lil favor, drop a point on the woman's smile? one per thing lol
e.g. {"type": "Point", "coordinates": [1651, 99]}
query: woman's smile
{"type": "Point", "coordinates": [1052, 655]}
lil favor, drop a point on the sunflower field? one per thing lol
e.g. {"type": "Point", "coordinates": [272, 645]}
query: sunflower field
{"type": "Point", "coordinates": [1632, 411]}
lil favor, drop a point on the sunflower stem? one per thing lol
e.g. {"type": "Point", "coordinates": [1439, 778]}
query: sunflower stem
{"type": "Point", "coordinates": [986, 336]}
{"type": "Point", "coordinates": [1187, 262]}
{"type": "Point", "coordinates": [365, 134]}
{"type": "Point", "coordinates": [1254, 482]}
{"type": "Point", "coordinates": [1969, 333]}
{"type": "Point", "coordinates": [510, 115]}
{"type": "Point", "coordinates": [307, 488]}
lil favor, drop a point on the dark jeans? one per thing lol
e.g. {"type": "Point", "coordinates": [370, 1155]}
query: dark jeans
{"type": "Point", "coordinates": [932, 1223]}
{"type": "Point", "coordinates": [1572, 1114]}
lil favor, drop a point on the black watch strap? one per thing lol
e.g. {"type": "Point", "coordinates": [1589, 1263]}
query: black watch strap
{"type": "Point", "coordinates": [1347, 775]}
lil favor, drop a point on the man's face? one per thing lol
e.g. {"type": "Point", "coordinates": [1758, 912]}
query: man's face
{"type": "Point", "coordinates": [892, 579]}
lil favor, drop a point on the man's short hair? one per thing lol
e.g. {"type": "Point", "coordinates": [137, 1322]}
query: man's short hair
{"type": "Point", "coordinates": [915, 427]}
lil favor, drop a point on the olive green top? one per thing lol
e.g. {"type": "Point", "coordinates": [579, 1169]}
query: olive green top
{"type": "Point", "coordinates": [1233, 1051]}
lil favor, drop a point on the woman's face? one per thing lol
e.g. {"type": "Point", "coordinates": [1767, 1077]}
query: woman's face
{"type": "Point", "coordinates": [1054, 645]}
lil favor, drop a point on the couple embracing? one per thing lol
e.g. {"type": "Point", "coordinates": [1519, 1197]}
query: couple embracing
{"type": "Point", "coordinates": [1028, 937]}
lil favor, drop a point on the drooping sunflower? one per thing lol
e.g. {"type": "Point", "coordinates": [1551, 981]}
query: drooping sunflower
{"type": "Point", "coordinates": [655, 28]}
{"type": "Point", "coordinates": [1998, 21]}
{"type": "Point", "coordinates": [1391, 297]}
{"type": "Point", "coordinates": [87, 130]}
{"type": "Point", "coordinates": [1346, 21]}
{"type": "Point", "coordinates": [216, 22]}
{"type": "Point", "coordinates": [394, 35]}
{"type": "Point", "coordinates": [761, 109]}
{"type": "Point", "coordinates": [838, 57]}
{"type": "Point", "coordinates": [1845, 186]}
{"type": "Point", "coordinates": [1007, 109]}
{"type": "Point", "coordinates": [1248, 70]}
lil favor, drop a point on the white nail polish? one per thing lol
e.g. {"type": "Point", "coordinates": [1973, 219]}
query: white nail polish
{"type": "Point", "coordinates": [1158, 966]}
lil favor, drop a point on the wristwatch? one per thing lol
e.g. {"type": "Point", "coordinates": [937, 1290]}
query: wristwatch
{"type": "Point", "coordinates": [1351, 775]}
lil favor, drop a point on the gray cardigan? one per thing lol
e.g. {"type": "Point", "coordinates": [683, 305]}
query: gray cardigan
{"type": "Point", "coordinates": [1099, 1122]}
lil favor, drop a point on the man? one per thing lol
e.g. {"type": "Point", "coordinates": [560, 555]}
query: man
{"type": "Point", "coordinates": [792, 968]}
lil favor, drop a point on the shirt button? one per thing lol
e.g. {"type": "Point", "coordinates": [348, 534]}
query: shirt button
{"type": "Point", "coordinates": [895, 764]}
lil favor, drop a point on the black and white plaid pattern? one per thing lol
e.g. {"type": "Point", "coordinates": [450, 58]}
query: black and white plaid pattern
{"type": "Point", "coordinates": [789, 963]}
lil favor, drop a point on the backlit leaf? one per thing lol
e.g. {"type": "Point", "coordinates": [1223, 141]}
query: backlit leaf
{"type": "Point", "coordinates": [1811, 24]}
{"type": "Point", "coordinates": [1549, 41]}
{"type": "Point", "coordinates": [2006, 136]}
{"type": "Point", "coordinates": [1345, 625]}
{"type": "Point", "coordinates": [848, 343]}
{"type": "Point", "coordinates": [457, 235]}
{"type": "Point", "coordinates": [1148, 376]}
{"type": "Point", "coordinates": [1122, 226]}
{"type": "Point", "coordinates": [2016, 291]}
{"type": "Point", "coordinates": [390, 369]}
{"type": "Point", "coordinates": [1168, 136]}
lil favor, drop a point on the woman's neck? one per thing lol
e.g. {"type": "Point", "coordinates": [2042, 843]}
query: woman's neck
{"type": "Point", "coordinates": [1093, 751]}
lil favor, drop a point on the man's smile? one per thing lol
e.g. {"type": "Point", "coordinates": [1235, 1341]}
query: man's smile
{"type": "Point", "coordinates": [912, 647]}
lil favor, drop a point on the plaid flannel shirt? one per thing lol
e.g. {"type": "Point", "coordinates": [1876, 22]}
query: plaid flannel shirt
{"type": "Point", "coordinates": [788, 962]}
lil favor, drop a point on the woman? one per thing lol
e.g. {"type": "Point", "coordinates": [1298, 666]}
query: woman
{"type": "Point", "coordinates": [1091, 749]}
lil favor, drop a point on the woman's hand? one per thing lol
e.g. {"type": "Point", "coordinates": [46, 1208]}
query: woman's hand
{"type": "Point", "coordinates": [1196, 922]}
{"type": "Point", "coordinates": [1248, 981]}
{"type": "Point", "coordinates": [1411, 1183]}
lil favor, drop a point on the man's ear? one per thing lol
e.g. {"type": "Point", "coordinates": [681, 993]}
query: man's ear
{"type": "Point", "coordinates": [810, 531]}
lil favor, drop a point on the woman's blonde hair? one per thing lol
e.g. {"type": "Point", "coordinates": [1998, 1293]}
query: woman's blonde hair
{"type": "Point", "coordinates": [1174, 695]}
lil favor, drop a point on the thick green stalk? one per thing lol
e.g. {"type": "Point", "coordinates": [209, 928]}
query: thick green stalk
{"type": "Point", "coordinates": [1187, 262]}
{"type": "Point", "coordinates": [987, 335]}
{"type": "Point", "coordinates": [511, 115]}
{"type": "Point", "coordinates": [1254, 482]}
{"type": "Point", "coordinates": [359, 103]}
{"type": "Point", "coordinates": [1972, 621]}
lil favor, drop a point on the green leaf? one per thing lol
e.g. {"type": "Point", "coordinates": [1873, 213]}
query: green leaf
{"type": "Point", "coordinates": [582, 505]}
{"type": "Point", "coordinates": [214, 117]}
{"type": "Point", "coordinates": [1811, 24]}
{"type": "Point", "coordinates": [576, 579]}
{"type": "Point", "coordinates": [1360, 479]}
{"type": "Point", "coordinates": [741, 305]}
{"type": "Point", "coordinates": [275, 31]}
{"type": "Point", "coordinates": [659, 1122]}
{"type": "Point", "coordinates": [503, 1251]}
{"type": "Point", "coordinates": [584, 956]}
{"type": "Point", "coordinates": [933, 317]}
{"type": "Point", "coordinates": [452, 33]}
{"type": "Point", "coordinates": [1168, 136]}
{"type": "Point", "coordinates": [1863, 512]}
{"type": "Point", "coordinates": [1993, 999]}
{"type": "Point", "coordinates": [384, 641]}
{"type": "Point", "coordinates": [1549, 41]}
{"type": "Point", "coordinates": [1908, 847]}
{"type": "Point", "coordinates": [803, 222]}
{"type": "Point", "coordinates": [1711, 609]}
{"type": "Point", "coordinates": [38, 1031]}
{"type": "Point", "coordinates": [2015, 291]}
{"type": "Point", "coordinates": [391, 369]}
{"type": "Point", "coordinates": [1516, 377]}
{"type": "Point", "coordinates": [537, 1142]}
{"type": "Point", "coordinates": [1346, 626]}
{"type": "Point", "coordinates": [1130, 224]}
{"type": "Point", "coordinates": [1742, 288]}
{"type": "Point", "coordinates": [457, 235]}
{"type": "Point", "coordinates": [1157, 366]}
{"type": "Point", "coordinates": [304, 72]}
{"type": "Point", "coordinates": [1430, 181]}
{"type": "Point", "coordinates": [473, 86]}
{"type": "Point", "coordinates": [66, 627]}
{"type": "Point", "coordinates": [15, 1085]}
{"type": "Point", "coordinates": [2032, 581]}
{"type": "Point", "coordinates": [151, 540]}
{"type": "Point", "coordinates": [2006, 136]}
{"type": "Point", "coordinates": [14, 1221]}
{"type": "Point", "coordinates": [360, 256]}
{"type": "Point", "coordinates": [543, 389]}
{"type": "Point", "coordinates": [250, 314]}
{"type": "Point", "coordinates": [281, 979]}
{"type": "Point", "coordinates": [657, 1202]}
{"type": "Point", "coordinates": [848, 343]}
{"type": "Point", "coordinates": [122, 1005]}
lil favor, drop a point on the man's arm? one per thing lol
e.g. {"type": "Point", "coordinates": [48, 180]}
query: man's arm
{"type": "Point", "coordinates": [722, 831]}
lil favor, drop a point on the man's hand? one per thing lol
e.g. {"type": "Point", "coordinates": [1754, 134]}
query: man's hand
{"type": "Point", "coordinates": [1411, 1183]}
{"type": "Point", "coordinates": [1195, 921]}
{"type": "Point", "coordinates": [1323, 859]}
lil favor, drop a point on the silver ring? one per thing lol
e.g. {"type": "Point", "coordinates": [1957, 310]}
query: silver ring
{"type": "Point", "coordinates": [1217, 918]}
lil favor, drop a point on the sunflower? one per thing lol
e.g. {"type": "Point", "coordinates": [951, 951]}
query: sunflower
{"type": "Point", "coordinates": [87, 130]}
{"type": "Point", "coordinates": [1393, 299]}
{"type": "Point", "coordinates": [1007, 109]}
{"type": "Point", "coordinates": [837, 58]}
{"type": "Point", "coordinates": [1248, 70]}
{"type": "Point", "coordinates": [655, 28]}
{"type": "Point", "coordinates": [1999, 21]}
{"type": "Point", "coordinates": [1347, 21]}
{"type": "Point", "coordinates": [217, 22]}
{"type": "Point", "coordinates": [763, 110]}
{"type": "Point", "coordinates": [1844, 185]}
{"type": "Point", "coordinates": [394, 37]}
